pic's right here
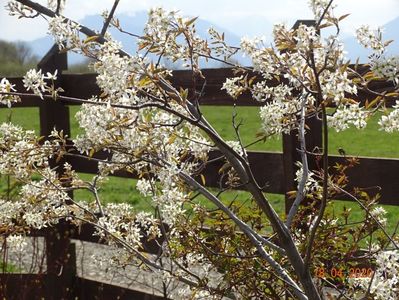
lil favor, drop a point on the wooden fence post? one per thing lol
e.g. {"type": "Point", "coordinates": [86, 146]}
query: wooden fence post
{"type": "Point", "coordinates": [60, 253]}
{"type": "Point", "coordinates": [291, 144]}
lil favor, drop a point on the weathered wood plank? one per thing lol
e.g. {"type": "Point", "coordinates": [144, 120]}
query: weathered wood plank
{"type": "Point", "coordinates": [22, 286]}
{"type": "Point", "coordinates": [84, 86]}
{"type": "Point", "coordinates": [89, 289]}
{"type": "Point", "coordinates": [374, 175]}
{"type": "Point", "coordinates": [268, 170]}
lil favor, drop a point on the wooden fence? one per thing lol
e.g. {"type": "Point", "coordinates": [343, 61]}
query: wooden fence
{"type": "Point", "coordinates": [275, 171]}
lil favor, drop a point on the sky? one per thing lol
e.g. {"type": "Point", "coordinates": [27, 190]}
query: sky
{"type": "Point", "coordinates": [230, 14]}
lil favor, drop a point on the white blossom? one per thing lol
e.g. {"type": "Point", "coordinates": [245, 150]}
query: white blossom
{"type": "Point", "coordinates": [233, 86]}
{"type": "Point", "coordinates": [262, 92]}
{"type": "Point", "coordinates": [279, 117]}
{"type": "Point", "coordinates": [145, 186]}
{"type": "Point", "coordinates": [52, 4]}
{"type": "Point", "coordinates": [64, 32]}
{"type": "Point", "coordinates": [379, 214]}
{"type": "Point", "coordinates": [319, 6]}
{"type": "Point", "coordinates": [390, 122]}
{"type": "Point", "coordinates": [7, 87]}
{"type": "Point", "coordinates": [21, 11]}
{"type": "Point", "coordinates": [346, 115]}
{"type": "Point", "coordinates": [370, 38]}
{"type": "Point", "coordinates": [36, 81]}
{"type": "Point", "coordinates": [384, 284]}
{"type": "Point", "coordinates": [386, 67]}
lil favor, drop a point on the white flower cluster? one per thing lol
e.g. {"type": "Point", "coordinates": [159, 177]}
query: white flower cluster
{"type": "Point", "coordinates": [145, 187]}
{"type": "Point", "coordinates": [122, 223]}
{"type": "Point", "coordinates": [39, 204]}
{"type": "Point", "coordinates": [136, 135]}
{"type": "Point", "coordinates": [335, 84]}
{"type": "Point", "coordinates": [279, 117]}
{"type": "Point", "coordinates": [21, 11]}
{"type": "Point", "coordinates": [319, 6]}
{"type": "Point", "coordinates": [170, 201]}
{"type": "Point", "coordinates": [370, 38]}
{"type": "Point", "coordinates": [52, 4]}
{"type": "Point", "coordinates": [249, 45]}
{"type": "Point", "coordinates": [262, 92]}
{"type": "Point", "coordinates": [346, 115]}
{"type": "Point", "coordinates": [390, 122]}
{"type": "Point", "coordinates": [233, 86]}
{"type": "Point", "coordinates": [20, 152]}
{"type": "Point", "coordinates": [116, 73]}
{"type": "Point", "coordinates": [384, 284]}
{"type": "Point", "coordinates": [379, 214]}
{"type": "Point", "coordinates": [64, 32]}
{"type": "Point", "coordinates": [36, 81]}
{"type": "Point", "coordinates": [383, 66]}
{"type": "Point", "coordinates": [163, 32]}
{"type": "Point", "coordinates": [149, 224]}
{"type": "Point", "coordinates": [386, 67]}
{"type": "Point", "coordinates": [263, 59]}
{"type": "Point", "coordinates": [306, 38]}
{"type": "Point", "coordinates": [40, 201]}
{"type": "Point", "coordinates": [7, 87]}
{"type": "Point", "coordinates": [292, 62]}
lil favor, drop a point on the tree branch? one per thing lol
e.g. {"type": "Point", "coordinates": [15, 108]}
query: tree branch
{"type": "Point", "coordinates": [305, 167]}
{"type": "Point", "coordinates": [109, 18]}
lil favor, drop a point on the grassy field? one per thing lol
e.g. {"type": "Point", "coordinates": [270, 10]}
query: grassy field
{"type": "Point", "coordinates": [368, 142]}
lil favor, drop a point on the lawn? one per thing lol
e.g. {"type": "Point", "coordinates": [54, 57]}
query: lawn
{"type": "Point", "coordinates": [368, 142]}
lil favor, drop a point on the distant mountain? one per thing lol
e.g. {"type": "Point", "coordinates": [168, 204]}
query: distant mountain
{"type": "Point", "coordinates": [249, 26]}
{"type": "Point", "coordinates": [391, 32]}
{"type": "Point", "coordinates": [134, 24]}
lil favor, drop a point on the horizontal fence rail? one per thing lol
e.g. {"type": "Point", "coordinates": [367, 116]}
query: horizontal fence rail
{"type": "Point", "coordinates": [84, 86]}
{"type": "Point", "coordinates": [375, 173]}
{"type": "Point", "coordinates": [371, 174]}
{"type": "Point", "coordinates": [33, 286]}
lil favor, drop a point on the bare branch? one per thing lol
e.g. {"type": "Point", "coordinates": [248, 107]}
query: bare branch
{"type": "Point", "coordinates": [109, 18]}
{"type": "Point", "coordinates": [305, 167]}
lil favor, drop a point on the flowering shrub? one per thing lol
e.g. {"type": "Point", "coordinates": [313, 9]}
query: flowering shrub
{"type": "Point", "coordinates": [233, 250]}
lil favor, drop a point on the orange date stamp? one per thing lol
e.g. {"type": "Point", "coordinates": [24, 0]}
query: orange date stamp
{"type": "Point", "coordinates": [343, 273]}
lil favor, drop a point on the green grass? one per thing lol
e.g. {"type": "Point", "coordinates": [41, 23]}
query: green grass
{"type": "Point", "coordinates": [221, 118]}
{"type": "Point", "coordinates": [27, 117]}
{"type": "Point", "coordinates": [115, 190]}
{"type": "Point", "coordinates": [367, 142]}
{"type": "Point", "coordinates": [118, 190]}
{"type": "Point", "coordinates": [8, 268]}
